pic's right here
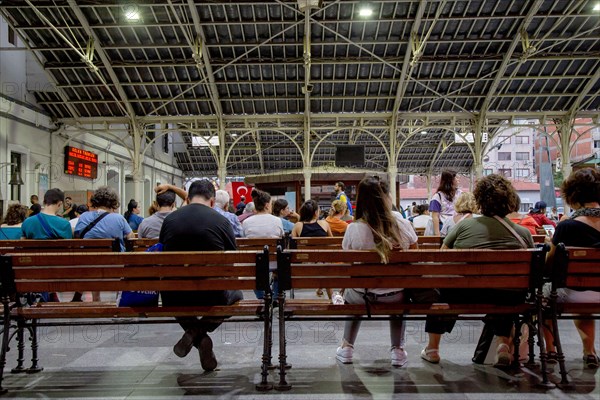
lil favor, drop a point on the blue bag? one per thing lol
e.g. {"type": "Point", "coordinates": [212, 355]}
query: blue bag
{"type": "Point", "coordinates": [140, 298]}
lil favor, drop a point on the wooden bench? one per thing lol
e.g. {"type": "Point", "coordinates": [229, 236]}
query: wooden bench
{"type": "Point", "coordinates": [315, 243]}
{"type": "Point", "coordinates": [412, 269]}
{"type": "Point", "coordinates": [168, 271]}
{"type": "Point", "coordinates": [575, 268]}
{"type": "Point", "coordinates": [59, 245]}
{"type": "Point", "coordinates": [430, 242]}
{"type": "Point", "coordinates": [138, 245]}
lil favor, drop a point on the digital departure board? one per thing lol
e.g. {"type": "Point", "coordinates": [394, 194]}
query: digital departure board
{"type": "Point", "coordinates": [80, 162]}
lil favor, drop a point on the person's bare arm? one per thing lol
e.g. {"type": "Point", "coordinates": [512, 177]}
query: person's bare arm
{"type": "Point", "coordinates": [435, 217]}
{"type": "Point", "coordinates": [167, 186]}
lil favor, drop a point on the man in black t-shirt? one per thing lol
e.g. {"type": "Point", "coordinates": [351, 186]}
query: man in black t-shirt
{"type": "Point", "coordinates": [197, 227]}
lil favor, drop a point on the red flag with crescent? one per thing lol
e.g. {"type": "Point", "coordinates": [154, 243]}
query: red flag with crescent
{"type": "Point", "coordinates": [240, 189]}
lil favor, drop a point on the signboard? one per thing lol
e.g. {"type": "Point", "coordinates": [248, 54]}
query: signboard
{"type": "Point", "coordinates": [81, 162]}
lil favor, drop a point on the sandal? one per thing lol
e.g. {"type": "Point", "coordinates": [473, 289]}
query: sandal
{"type": "Point", "coordinates": [590, 361]}
{"type": "Point", "coordinates": [431, 355]}
{"type": "Point", "coordinates": [552, 357]}
{"type": "Point", "coordinates": [503, 356]}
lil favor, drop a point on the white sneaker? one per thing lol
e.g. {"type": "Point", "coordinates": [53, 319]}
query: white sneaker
{"type": "Point", "coordinates": [344, 354]}
{"type": "Point", "coordinates": [399, 356]}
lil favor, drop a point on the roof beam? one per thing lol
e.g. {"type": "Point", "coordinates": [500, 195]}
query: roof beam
{"type": "Point", "coordinates": [124, 101]}
{"type": "Point", "coordinates": [491, 94]}
{"type": "Point", "coordinates": [38, 58]}
{"type": "Point", "coordinates": [584, 92]}
{"type": "Point", "coordinates": [414, 48]}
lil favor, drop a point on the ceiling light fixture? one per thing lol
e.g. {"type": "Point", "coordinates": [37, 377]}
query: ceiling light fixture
{"type": "Point", "coordinates": [365, 10]}
{"type": "Point", "coordinates": [597, 7]}
{"type": "Point", "coordinates": [132, 14]}
{"type": "Point", "coordinates": [424, 132]}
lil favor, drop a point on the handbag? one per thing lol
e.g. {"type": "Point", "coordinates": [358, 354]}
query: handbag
{"type": "Point", "coordinates": [140, 298]}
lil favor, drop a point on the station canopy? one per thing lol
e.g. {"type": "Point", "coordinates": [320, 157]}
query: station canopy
{"type": "Point", "coordinates": [284, 83]}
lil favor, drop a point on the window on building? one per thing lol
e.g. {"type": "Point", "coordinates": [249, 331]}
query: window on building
{"type": "Point", "coordinates": [521, 172]}
{"type": "Point", "coordinates": [504, 139]}
{"type": "Point", "coordinates": [488, 171]}
{"type": "Point", "coordinates": [12, 36]}
{"type": "Point", "coordinates": [524, 207]}
{"type": "Point", "coordinates": [504, 156]}
{"type": "Point", "coordinates": [507, 173]}
{"type": "Point", "coordinates": [15, 168]}
{"type": "Point", "coordinates": [522, 156]}
{"type": "Point", "coordinates": [522, 140]}
{"type": "Point", "coordinates": [596, 144]}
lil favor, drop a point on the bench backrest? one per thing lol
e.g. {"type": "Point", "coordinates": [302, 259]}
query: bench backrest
{"type": "Point", "coordinates": [430, 242]}
{"type": "Point", "coordinates": [576, 268]}
{"type": "Point", "coordinates": [139, 244]}
{"type": "Point", "coordinates": [539, 238]}
{"type": "Point", "coordinates": [481, 269]}
{"type": "Point", "coordinates": [173, 271]}
{"type": "Point", "coordinates": [315, 243]}
{"type": "Point", "coordinates": [59, 245]}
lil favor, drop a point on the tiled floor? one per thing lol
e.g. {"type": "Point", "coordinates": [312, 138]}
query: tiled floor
{"type": "Point", "coordinates": [137, 362]}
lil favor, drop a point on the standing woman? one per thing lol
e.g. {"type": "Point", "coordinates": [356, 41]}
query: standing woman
{"type": "Point", "coordinates": [131, 215]}
{"type": "Point", "coordinates": [310, 225]}
{"type": "Point", "coordinates": [376, 228]}
{"type": "Point", "coordinates": [441, 205]}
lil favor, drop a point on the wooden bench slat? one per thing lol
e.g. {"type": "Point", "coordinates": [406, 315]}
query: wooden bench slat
{"type": "Point", "coordinates": [86, 272]}
{"type": "Point", "coordinates": [409, 269]}
{"type": "Point", "coordinates": [119, 285]}
{"type": "Point", "coordinates": [160, 258]}
{"type": "Point", "coordinates": [242, 308]}
{"type": "Point", "coordinates": [511, 282]}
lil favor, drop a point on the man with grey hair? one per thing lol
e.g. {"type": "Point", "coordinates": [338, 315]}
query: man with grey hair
{"type": "Point", "coordinates": [221, 205]}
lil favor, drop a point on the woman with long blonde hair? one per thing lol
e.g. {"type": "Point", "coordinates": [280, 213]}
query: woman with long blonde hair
{"type": "Point", "coordinates": [376, 228]}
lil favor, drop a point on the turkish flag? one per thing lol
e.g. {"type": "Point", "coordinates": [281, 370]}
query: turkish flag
{"type": "Point", "coordinates": [238, 190]}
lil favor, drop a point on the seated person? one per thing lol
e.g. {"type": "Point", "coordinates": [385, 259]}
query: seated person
{"type": "Point", "coordinates": [11, 228]}
{"type": "Point", "coordinates": [582, 192]}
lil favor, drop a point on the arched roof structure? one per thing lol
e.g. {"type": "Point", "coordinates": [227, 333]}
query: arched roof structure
{"type": "Point", "coordinates": [281, 83]}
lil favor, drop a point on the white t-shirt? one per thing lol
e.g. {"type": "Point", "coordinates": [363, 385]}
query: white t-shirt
{"type": "Point", "coordinates": [421, 221]}
{"type": "Point", "coordinates": [358, 236]}
{"type": "Point", "coordinates": [263, 226]}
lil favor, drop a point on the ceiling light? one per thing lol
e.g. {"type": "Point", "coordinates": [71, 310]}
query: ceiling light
{"type": "Point", "coordinates": [132, 14]}
{"type": "Point", "coordinates": [597, 7]}
{"type": "Point", "coordinates": [365, 11]}
{"type": "Point", "coordinates": [424, 132]}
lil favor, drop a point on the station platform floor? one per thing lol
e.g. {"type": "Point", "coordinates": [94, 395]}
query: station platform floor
{"type": "Point", "coordinates": [137, 362]}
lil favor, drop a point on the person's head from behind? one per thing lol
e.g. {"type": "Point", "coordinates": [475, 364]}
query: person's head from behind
{"type": "Point", "coordinates": [280, 208]}
{"type": "Point", "coordinates": [338, 207]}
{"type": "Point", "coordinates": [495, 195]}
{"type": "Point", "coordinates": [466, 204]}
{"type": "Point", "coordinates": [249, 208]}
{"type": "Point", "coordinates": [132, 206]}
{"type": "Point", "coordinates": [221, 199]}
{"type": "Point", "coordinates": [309, 211]}
{"type": "Point", "coordinates": [105, 197]}
{"type": "Point", "coordinates": [202, 191]}
{"type": "Point", "coordinates": [34, 199]}
{"type": "Point", "coordinates": [581, 188]}
{"type": "Point", "coordinates": [35, 209]}
{"type": "Point", "coordinates": [539, 208]}
{"type": "Point", "coordinates": [166, 199]}
{"type": "Point", "coordinates": [54, 197]}
{"type": "Point", "coordinates": [339, 187]}
{"type": "Point", "coordinates": [81, 209]}
{"type": "Point", "coordinates": [448, 184]}
{"type": "Point", "coordinates": [15, 214]}
{"type": "Point", "coordinates": [242, 199]}
{"type": "Point", "coordinates": [261, 200]}
{"type": "Point", "coordinates": [423, 209]}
